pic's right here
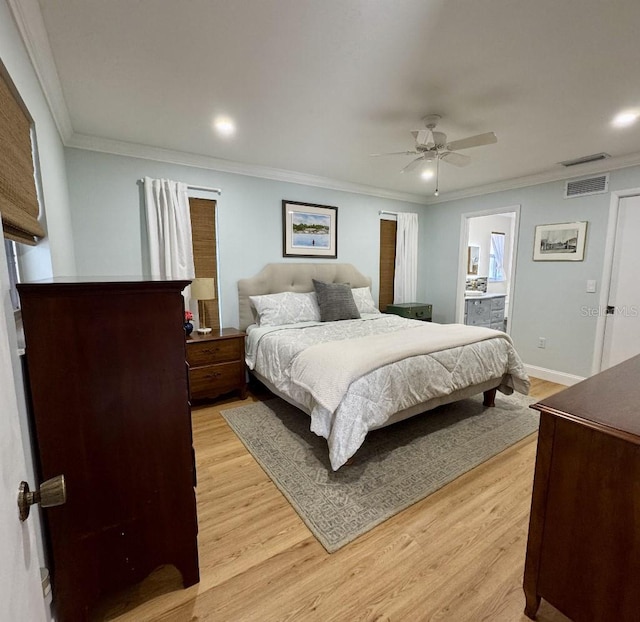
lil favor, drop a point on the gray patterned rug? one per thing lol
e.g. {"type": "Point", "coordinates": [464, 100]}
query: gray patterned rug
{"type": "Point", "coordinates": [395, 467]}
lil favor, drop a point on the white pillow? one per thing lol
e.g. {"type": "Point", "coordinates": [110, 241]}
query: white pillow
{"type": "Point", "coordinates": [364, 301]}
{"type": "Point", "coordinates": [286, 308]}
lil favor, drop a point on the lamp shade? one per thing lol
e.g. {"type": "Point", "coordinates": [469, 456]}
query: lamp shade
{"type": "Point", "coordinates": [203, 289]}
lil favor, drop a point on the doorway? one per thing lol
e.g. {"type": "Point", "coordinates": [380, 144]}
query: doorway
{"type": "Point", "coordinates": [618, 328]}
{"type": "Point", "coordinates": [487, 260]}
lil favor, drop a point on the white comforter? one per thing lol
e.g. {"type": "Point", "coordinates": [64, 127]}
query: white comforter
{"type": "Point", "coordinates": [386, 387]}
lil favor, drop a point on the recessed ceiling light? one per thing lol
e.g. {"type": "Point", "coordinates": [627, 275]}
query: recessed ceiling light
{"type": "Point", "coordinates": [224, 126]}
{"type": "Point", "coordinates": [427, 174]}
{"type": "Point", "coordinates": [625, 118]}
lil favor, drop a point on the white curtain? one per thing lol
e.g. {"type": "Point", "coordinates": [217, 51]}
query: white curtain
{"type": "Point", "coordinates": [169, 229]}
{"type": "Point", "coordinates": [406, 275]}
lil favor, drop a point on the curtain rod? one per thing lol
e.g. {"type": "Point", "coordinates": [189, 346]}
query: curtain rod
{"type": "Point", "coordinates": [205, 188]}
{"type": "Point", "coordinates": [382, 211]}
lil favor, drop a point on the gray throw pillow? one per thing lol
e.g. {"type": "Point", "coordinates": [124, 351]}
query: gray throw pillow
{"type": "Point", "coordinates": [335, 301]}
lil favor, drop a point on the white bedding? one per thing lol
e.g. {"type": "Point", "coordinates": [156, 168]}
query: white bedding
{"type": "Point", "coordinates": [387, 387]}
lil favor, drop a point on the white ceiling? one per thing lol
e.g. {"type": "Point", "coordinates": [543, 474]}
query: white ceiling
{"type": "Point", "coordinates": [314, 86]}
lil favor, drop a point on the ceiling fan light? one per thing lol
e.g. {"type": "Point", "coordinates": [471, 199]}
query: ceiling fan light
{"type": "Point", "coordinates": [427, 174]}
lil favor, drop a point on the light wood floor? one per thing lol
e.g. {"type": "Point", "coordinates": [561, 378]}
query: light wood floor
{"type": "Point", "coordinates": [456, 556]}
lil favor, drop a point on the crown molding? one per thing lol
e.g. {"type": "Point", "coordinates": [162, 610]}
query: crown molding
{"type": "Point", "coordinates": [146, 152]}
{"type": "Point", "coordinates": [28, 18]}
{"type": "Point", "coordinates": [30, 23]}
{"type": "Point", "coordinates": [562, 174]}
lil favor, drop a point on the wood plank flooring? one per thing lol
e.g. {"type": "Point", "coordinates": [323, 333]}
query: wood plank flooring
{"type": "Point", "coordinates": [456, 556]}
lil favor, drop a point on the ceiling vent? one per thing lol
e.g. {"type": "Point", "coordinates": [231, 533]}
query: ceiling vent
{"type": "Point", "coordinates": [594, 157]}
{"type": "Point", "coordinates": [588, 185]}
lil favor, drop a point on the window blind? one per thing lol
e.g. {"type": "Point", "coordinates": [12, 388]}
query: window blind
{"type": "Point", "coordinates": [18, 198]}
{"type": "Point", "coordinates": [203, 235]}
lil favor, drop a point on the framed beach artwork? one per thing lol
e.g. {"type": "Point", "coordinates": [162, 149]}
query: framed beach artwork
{"type": "Point", "coordinates": [560, 242]}
{"type": "Point", "coordinates": [309, 230]}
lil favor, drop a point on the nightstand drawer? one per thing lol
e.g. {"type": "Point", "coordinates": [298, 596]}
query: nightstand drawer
{"type": "Point", "coordinates": [215, 379]}
{"type": "Point", "coordinates": [412, 310]}
{"type": "Point", "coordinates": [219, 351]}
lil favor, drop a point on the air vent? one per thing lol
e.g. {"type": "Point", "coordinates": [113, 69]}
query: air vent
{"type": "Point", "coordinates": [595, 157]}
{"type": "Point", "coordinates": [588, 185]}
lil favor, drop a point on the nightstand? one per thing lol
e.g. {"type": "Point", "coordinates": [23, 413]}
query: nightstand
{"type": "Point", "coordinates": [216, 363]}
{"type": "Point", "coordinates": [411, 310]}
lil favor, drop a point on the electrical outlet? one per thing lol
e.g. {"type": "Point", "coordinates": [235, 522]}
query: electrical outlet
{"type": "Point", "coordinates": [542, 342]}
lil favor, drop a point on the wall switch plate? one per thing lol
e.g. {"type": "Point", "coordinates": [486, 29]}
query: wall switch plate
{"type": "Point", "coordinates": [542, 342]}
{"type": "Point", "coordinates": [591, 287]}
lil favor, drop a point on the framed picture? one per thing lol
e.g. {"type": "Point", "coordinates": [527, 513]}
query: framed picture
{"type": "Point", "coordinates": [309, 230]}
{"type": "Point", "coordinates": [560, 242]}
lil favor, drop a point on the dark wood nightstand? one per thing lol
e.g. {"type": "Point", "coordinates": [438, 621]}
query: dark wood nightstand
{"type": "Point", "coordinates": [412, 310]}
{"type": "Point", "coordinates": [216, 363]}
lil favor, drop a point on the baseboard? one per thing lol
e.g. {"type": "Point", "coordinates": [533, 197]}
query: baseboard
{"type": "Point", "coordinates": [552, 375]}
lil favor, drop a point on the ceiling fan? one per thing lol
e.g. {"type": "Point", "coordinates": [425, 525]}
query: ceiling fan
{"type": "Point", "coordinates": [433, 146]}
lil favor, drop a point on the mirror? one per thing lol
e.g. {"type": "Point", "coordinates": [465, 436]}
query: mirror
{"type": "Point", "coordinates": [473, 259]}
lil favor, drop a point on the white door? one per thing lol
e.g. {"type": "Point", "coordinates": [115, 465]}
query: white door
{"type": "Point", "coordinates": [622, 326]}
{"type": "Point", "coordinates": [20, 590]}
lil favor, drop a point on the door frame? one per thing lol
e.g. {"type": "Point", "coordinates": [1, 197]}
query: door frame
{"type": "Point", "coordinates": [607, 269]}
{"type": "Point", "coordinates": [462, 256]}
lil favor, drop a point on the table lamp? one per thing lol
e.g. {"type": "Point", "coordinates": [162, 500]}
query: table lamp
{"type": "Point", "coordinates": [203, 289]}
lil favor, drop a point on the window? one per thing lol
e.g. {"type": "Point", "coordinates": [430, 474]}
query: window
{"type": "Point", "coordinates": [14, 275]}
{"type": "Point", "coordinates": [496, 257]}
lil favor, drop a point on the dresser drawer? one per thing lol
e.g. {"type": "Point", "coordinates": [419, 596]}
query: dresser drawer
{"type": "Point", "coordinates": [497, 315]}
{"type": "Point", "coordinates": [215, 379]}
{"type": "Point", "coordinates": [497, 303]}
{"type": "Point", "coordinates": [219, 351]}
{"type": "Point", "coordinates": [478, 311]}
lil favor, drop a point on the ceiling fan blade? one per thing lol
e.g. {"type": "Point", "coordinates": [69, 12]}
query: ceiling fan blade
{"type": "Point", "coordinates": [457, 159]}
{"type": "Point", "coordinates": [439, 138]}
{"type": "Point", "coordinates": [375, 155]}
{"type": "Point", "coordinates": [411, 165]}
{"type": "Point", "coordinates": [423, 137]}
{"type": "Point", "coordinates": [473, 141]}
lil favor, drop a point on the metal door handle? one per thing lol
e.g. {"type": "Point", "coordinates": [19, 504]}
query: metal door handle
{"type": "Point", "coordinates": [52, 492]}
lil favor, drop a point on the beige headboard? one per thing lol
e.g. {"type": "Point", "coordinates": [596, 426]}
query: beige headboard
{"type": "Point", "coordinates": [293, 277]}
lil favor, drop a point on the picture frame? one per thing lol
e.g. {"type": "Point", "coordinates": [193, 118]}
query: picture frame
{"type": "Point", "coordinates": [560, 241]}
{"type": "Point", "coordinates": [309, 230]}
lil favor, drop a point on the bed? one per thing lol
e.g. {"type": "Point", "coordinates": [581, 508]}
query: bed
{"type": "Point", "coordinates": [355, 375]}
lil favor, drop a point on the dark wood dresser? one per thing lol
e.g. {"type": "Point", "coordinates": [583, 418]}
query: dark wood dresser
{"type": "Point", "coordinates": [109, 393]}
{"type": "Point", "coordinates": [583, 552]}
{"type": "Point", "coordinates": [216, 363]}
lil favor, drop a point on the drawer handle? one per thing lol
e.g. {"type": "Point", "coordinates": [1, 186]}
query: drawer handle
{"type": "Point", "coordinates": [210, 350]}
{"type": "Point", "coordinates": [215, 374]}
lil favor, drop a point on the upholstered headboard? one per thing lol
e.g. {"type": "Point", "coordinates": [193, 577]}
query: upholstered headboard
{"type": "Point", "coordinates": [293, 277]}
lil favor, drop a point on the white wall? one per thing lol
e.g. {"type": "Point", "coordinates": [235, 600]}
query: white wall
{"type": "Point", "coordinates": [547, 297]}
{"type": "Point", "coordinates": [107, 211]}
{"type": "Point", "coordinates": [53, 255]}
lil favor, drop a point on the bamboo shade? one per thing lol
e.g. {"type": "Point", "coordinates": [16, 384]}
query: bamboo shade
{"type": "Point", "coordinates": [18, 198]}
{"type": "Point", "coordinates": [387, 262]}
{"type": "Point", "coordinates": [203, 234]}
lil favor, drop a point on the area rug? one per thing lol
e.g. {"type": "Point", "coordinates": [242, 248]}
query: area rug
{"type": "Point", "coordinates": [395, 467]}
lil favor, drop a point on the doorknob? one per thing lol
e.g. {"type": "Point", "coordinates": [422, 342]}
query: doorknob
{"type": "Point", "coordinates": [52, 492]}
